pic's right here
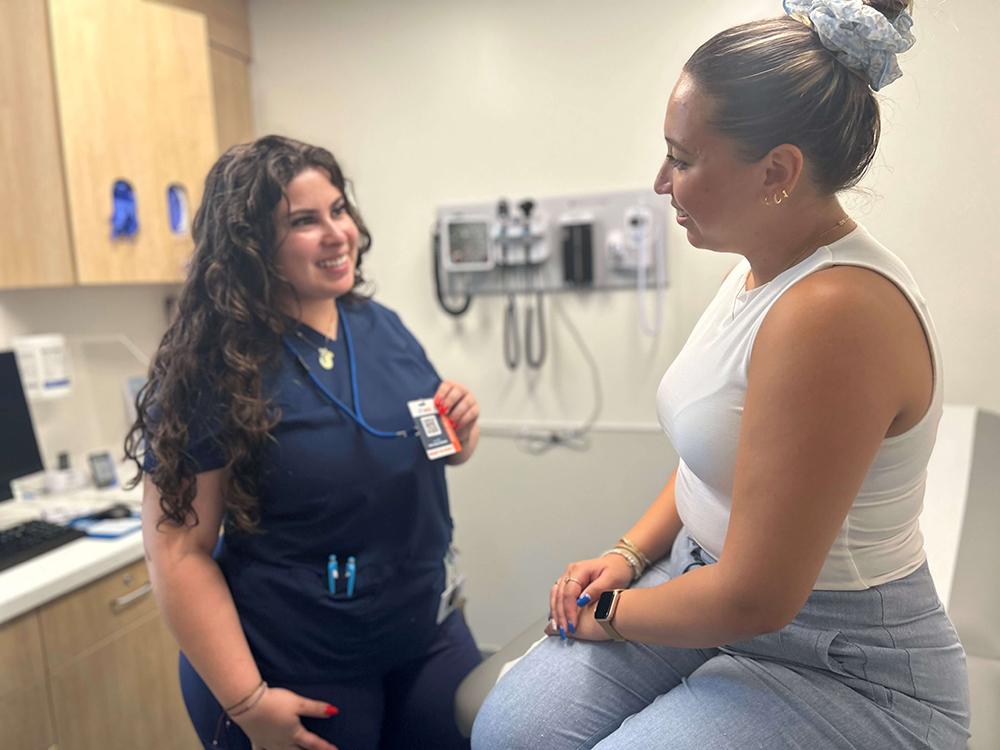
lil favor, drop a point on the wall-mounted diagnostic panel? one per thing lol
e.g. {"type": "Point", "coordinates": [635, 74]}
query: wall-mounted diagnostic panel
{"type": "Point", "coordinates": [610, 240]}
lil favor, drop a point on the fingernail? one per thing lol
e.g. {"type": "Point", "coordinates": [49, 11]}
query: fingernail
{"type": "Point", "coordinates": [572, 629]}
{"type": "Point", "coordinates": [583, 601]}
{"type": "Point", "coordinates": [332, 710]}
{"type": "Point", "coordinates": [562, 633]}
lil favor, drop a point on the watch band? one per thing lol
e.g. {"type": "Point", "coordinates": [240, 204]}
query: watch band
{"type": "Point", "coordinates": [606, 622]}
{"type": "Point", "coordinates": [610, 630]}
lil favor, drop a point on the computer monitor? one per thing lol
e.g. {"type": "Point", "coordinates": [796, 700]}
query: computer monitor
{"type": "Point", "coordinates": [18, 447]}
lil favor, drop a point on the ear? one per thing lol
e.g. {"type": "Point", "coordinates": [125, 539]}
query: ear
{"type": "Point", "coordinates": [782, 169]}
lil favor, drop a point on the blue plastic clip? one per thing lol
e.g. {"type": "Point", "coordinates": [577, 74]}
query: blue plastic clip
{"type": "Point", "coordinates": [351, 575]}
{"type": "Point", "coordinates": [332, 574]}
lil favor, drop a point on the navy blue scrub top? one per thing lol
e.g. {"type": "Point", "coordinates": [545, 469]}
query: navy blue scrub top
{"type": "Point", "coordinates": [328, 487]}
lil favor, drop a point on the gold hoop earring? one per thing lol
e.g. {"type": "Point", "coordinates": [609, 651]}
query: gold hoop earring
{"type": "Point", "coordinates": [778, 199]}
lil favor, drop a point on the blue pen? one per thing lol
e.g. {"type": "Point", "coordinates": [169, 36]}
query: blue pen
{"type": "Point", "coordinates": [351, 571]}
{"type": "Point", "coordinates": [332, 574]}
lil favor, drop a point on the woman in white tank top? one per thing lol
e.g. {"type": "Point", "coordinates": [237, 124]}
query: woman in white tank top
{"type": "Point", "coordinates": [775, 593]}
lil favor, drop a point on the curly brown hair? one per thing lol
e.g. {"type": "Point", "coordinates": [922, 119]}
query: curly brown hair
{"type": "Point", "coordinates": [227, 331]}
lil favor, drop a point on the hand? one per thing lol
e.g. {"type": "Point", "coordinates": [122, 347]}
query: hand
{"type": "Point", "coordinates": [274, 724]}
{"type": "Point", "coordinates": [456, 404]}
{"type": "Point", "coordinates": [586, 628]}
{"type": "Point", "coordinates": [579, 585]}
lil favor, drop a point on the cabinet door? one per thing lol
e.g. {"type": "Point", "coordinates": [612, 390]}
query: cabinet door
{"type": "Point", "coordinates": [183, 130]}
{"type": "Point", "coordinates": [123, 694]}
{"type": "Point", "coordinates": [73, 623]}
{"type": "Point", "coordinates": [233, 116]}
{"type": "Point", "coordinates": [134, 92]}
{"type": "Point", "coordinates": [34, 234]}
{"type": "Point", "coordinates": [24, 701]}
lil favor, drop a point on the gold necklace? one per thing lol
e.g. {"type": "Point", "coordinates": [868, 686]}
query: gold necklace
{"type": "Point", "coordinates": [798, 258]}
{"type": "Point", "coordinates": [323, 353]}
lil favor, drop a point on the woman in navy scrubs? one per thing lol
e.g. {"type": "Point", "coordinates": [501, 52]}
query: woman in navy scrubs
{"type": "Point", "coordinates": [277, 410]}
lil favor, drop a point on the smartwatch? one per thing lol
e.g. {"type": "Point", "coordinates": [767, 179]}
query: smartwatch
{"type": "Point", "coordinates": [605, 610]}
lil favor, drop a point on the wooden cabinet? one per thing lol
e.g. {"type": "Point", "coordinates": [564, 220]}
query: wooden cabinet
{"type": "Point", "coordinates": [96, 91]}
{"type": "Point", "coordinates": [24, 700]}
{"type": "Point", "coordinates": [34, 235]}
{"type": "Point", "coordinates": [106, 678]}
{"type": "Point", "coordinates": [229, 40]}
{"type": "Point", "coordinates": [135, 102]}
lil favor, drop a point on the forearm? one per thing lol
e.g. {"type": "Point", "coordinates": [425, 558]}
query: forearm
{"type": "Point", "coordinates": [696, 610]}
{"type": "Point", "coordinates": [655, 531]}
{"type": "Point", "coordinates": [199, 610]}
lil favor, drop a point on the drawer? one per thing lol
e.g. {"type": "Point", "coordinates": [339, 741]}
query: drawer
{"type": "Point", "coordinates": [83, 620]}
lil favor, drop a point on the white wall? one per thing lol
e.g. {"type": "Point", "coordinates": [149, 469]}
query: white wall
{"type": "Point", "coordinates": [93, 415]}
{"type": "Point", "coordinates": [448, 100]}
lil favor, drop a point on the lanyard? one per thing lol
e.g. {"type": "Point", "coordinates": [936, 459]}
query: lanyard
{"type": "Point", "coordinates": [354, 413]}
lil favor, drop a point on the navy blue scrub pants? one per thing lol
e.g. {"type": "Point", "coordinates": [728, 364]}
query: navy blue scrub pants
{"type": "Point", "coordinates": [411, 707]}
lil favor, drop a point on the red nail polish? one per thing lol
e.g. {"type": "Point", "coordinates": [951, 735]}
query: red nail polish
{"type": "Point", "coordinates": [332, 710]}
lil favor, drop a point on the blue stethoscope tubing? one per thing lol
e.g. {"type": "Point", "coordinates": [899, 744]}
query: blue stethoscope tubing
{"type": "Point", "coordinates": [354, 413]}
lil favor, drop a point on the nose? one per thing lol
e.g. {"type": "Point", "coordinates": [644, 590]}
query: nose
{"type": "Point", "coordinates": [334, 230]}
{"type": "Point", "coordinates": [662, 184]}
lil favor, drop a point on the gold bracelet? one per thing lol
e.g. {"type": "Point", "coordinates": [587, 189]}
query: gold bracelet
{"type": "Point", "coordinates": [631, 547]}
{"type": "Point", "coordinates": [633, 562]}
{"type": "Point", "coordinates": [251, 704]}
{"type": "Point", "coordinates": [259, 688]}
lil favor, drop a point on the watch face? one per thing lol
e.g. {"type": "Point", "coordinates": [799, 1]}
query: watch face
{"type": "Point", "coordinates": [603, 608]}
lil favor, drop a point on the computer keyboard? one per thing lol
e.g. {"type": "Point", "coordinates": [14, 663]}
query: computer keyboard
{"type": "Point", "coordinates": [32, 538]}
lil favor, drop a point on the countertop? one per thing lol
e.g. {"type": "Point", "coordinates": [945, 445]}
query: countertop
{"type": "Point", "coordinates": [42, 579]}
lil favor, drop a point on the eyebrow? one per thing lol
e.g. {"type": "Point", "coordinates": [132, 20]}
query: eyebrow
{"type": "Point", "coordinates": [675, 144]}
{"type": "Point", "coordinates": [294, 211]}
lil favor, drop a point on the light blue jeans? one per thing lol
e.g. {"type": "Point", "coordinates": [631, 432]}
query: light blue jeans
{"type": "Point", "coordinates": [867, 670]}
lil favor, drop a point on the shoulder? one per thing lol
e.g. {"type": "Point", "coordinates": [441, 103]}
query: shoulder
{"type": "Point", "coordinates": [856, 301]}
{"type": "Point", "coordinates": [369, 317]}
{"type": "Point", "coordinates": [365, 309]}
{"type": "Point", "coordinates": [839, 327]}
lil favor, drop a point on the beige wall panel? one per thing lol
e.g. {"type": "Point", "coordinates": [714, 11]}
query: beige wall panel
{"type": "Point", "coordinates": [124, 694]}
{"type": "Point", "coordinates": [233, 111]}
{"type": "Point", "coordinates": [34, 237]}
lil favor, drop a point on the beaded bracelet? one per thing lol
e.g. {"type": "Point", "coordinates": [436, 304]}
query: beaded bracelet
{"type": "Point", "coordinates": [631, 559]}
{"type": "Point", "coordinates": [634, 549]}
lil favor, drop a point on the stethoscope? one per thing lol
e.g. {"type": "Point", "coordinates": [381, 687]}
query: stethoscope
{"type": "Point", "coordinates": [355, 413]}
{"type": "Point", "coordinates": [534, 323]}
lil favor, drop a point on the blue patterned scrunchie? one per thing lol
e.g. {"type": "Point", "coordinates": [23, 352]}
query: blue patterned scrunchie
{"type": "Point", "coordinates": [860, 36]}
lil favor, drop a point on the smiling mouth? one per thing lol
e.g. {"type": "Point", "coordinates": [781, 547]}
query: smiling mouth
{"type": "Point", "coordinates": [338, 261]}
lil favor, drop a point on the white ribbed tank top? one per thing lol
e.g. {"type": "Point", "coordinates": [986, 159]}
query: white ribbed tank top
{"type": "Point", "coordinates": [700, 405]}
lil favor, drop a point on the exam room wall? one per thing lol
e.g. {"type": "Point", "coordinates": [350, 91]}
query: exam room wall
{"type": "Point", "coordinates": [443, 101]}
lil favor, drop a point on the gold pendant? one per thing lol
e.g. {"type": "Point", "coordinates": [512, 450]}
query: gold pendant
{"type": "Point", "coordinates": [325, 358]}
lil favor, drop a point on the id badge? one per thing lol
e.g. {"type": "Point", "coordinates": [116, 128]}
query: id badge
{"type": "Point", "coordinates": [436, 435]}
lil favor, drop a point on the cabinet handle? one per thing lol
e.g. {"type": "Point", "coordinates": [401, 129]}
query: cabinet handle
{"type": "Point", "coordinates": [126, 600]}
